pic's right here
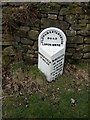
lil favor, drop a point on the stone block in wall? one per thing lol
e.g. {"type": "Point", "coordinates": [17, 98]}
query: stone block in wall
{"type": "Point", "coordinates": [20, 33]}
{"type": "Point", "coordinates": [83, 24]}
{"type": "Point", "coordinates": [6, 60]}
{"type": "Point", "coordinates": [14, 3]}
{"type": "Point", "coordinates": [78, 10]}
{"type": "Point", "coordinates": [36, 54]}
{"type": "Point", "coordinates": [8, 51]}
{"type": "Point", "coordinates": [7, 37]}
{"type": "Point", "coordinates": [70, 50]}
{"type": "Point", "coordinates": [33, 23]}
{"type": "Point", "coordinates": [68, 55]}
{"type": "Point", "coordinates": [60, 17]}
{"type": "Point", "coordinates": [72, 19]}
{"type": "Point", "coordinates": [70, 32]}
{"type": "Point", "coordinates": [24, 48]}
{"type": "Point", "coordinates": [75, 39]}
{"type": "Point", "coordinates": [27, 41]}
{"type": "Point", "coordinates": [77, 55]}
{"type": "Point", "coordinates": [70, 45]}
{"type": "Point", "coordinates": [86, 48]}
{"type": "Point", "coordinates": [21, 48]}
{"type": "Point", "coordinates": [33, 34]}
{"type": "Point", "coordinates": [55, 23]}
{"type": "Point", "coordinates": [77, 27]}
{"type": "Point", "coordinates": [79, 48]}
{"type": "Point", "coordinates": [86, 55]}
{"type": "Point", "coordinates": [82, 16]}
{"type": "Point", "coordinates": [43, 15]}
{"type": "Point", "coordinates": [88, 26]}
{"type": "Point", "coordinates": [7, 40]}
{"type": "Point", "coordinates": [35, 28]}
{"type": "Point", "coordinates": [87, 39]}
{"type": "Point", "coordinates": [83, 21]}
{"type": "Point", "coordinates": [30, 51]}
{"type": "Point", "coordinates": [51, 7]}
{"type": "Point", "coordinates": [83, 32]}
{"type": "Point", "coordinates": [8, 43]}
{"type": "Point", "coordinates": [24, 28]}
{"type": "Point", "coordinates": [16, 38]}
{"type": "Point", "coordinates": [35, 46]}
{"type": "Point", "coordinates": [52, 16]}
{"type": "Point", "coordinates": [64, 11]}
{"type": "Point", "coordinates": [0, 37]}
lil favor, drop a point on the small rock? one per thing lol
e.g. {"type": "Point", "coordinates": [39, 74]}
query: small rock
{"type": "Point", "coordinates": [20, 93]}
{"type": "Point", "coordinates": [79, 89]}
{"type": "Point", "coordinates": [26, 105]}
{"type": "Point", "coordinates": [72, 101]}
{"type": "Point", "coordinates": [57, 88]}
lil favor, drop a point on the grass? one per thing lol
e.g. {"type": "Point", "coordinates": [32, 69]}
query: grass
{"type": "Point", "coordinates": [52, 100]}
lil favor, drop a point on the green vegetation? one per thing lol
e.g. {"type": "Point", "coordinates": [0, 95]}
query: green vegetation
{"type": "Point", "coordinates": [49, 100]}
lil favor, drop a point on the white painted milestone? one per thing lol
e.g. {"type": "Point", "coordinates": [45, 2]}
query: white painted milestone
{"type": "Point", "coordinates": [51, 52]}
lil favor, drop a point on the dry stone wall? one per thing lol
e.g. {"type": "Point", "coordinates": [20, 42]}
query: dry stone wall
{"type": "Point", "coordinates": [72, 18]}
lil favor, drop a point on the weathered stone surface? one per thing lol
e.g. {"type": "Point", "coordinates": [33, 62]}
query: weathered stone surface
{"type": "Point", "coordinates": [6, 60]}
{"type": "Point", "coordinates": [77, 27]}
{"type": "Point", "coordinates": [78, 10]}
{"type": "Point", "coordinates": [8, 51]}
{"type": "Point", "coordinates": [76, 39]}
{"type": "Point", "coordinates": [82, 32]}
{"type": "Point", "coordinates": [53, 8]}
{"type": "Point", "coordinates": [33, 34]}
{"type": "Point", "coordinates": [72, 19]}
{"type": "Point", "coordinates": [0, 37]}
{"type": "Point", "coordinates": [20, 33]}
{"type": "Point", "coordinates": [52, 16]}
{"type": "Point", "coordinates": [44, 15]}
{"type": "Point", "coordinates": [21, 48]}
{"type": "Point", "coordinates": [87, 39]}
{"type": "Point", "coordinates": [14, 3]}
{"type": "Point", "coordinates": [88, 26]}
{"type": "Point", "coordinates": [70, 50]}
{"type": "Point", "coordinates": [7, 37]}
{"type": "Point", "coordinates": [36, 54]}
{"type": "Point", "coordinates": [60, 17]}
{"type": "Point", "coordinates": [83, 24]}
{"type": "Point", "coordinates": [35, 47]}
{"type": "Point", "coordinates": [68, 55]}
{"type": "Point", "coordinates": [30, 51]}
{"type": "Point", "coordinates": [30, 55]}
{"type": "Point", "coordinates": [55, 23]}
{"type": "Point", "coordinates": [79, 48]}
{"type": "Point", "coordinates": [69, 17]}
{"type": "Point", "coordinates": [35, 28]}
{"type": "Point", "coordinates": [26, 41]}
{"type": "Point", "coordinates": [70, 45]}
{"type": "Point", "coordinates": [86, 48]}
{"type": "Point", "coordinates": [83, 21]}
{"type": "Point", "coordinates": [33, 23]}
{"type": "Point", "coordinates": [49, 8]}
{"type": "Point", "coordinates": [24, 28]}
{"type": "Point", "coordinates": [77, 55]}
{"type": "Point", "coordinates": [16, 38]}
{"type": "Point", "coordinates": [70, 32]}
{"type": "Point", "coordinates": [64, 11]}
{"type": "Point", "coordinates": [82, 16]}
{"type": "Point", "coordinates": [8, 43]}
{"type": "Point", "coordinates": [86, 55]}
